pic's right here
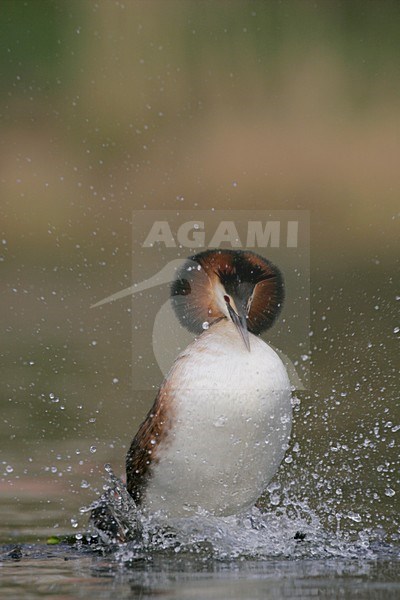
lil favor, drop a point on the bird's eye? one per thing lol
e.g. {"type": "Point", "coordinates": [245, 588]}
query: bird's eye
{"type": "Point", "coordinates": [227, 299]}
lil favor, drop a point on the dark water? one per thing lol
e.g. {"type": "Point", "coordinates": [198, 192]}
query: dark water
{"type": "Point", "coordinates": [39, 571]}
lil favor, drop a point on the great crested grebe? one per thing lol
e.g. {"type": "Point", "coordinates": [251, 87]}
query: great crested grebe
{"type": "Point", "coordinates": [221, 421]}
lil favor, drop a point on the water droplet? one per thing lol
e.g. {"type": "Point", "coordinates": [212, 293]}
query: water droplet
{"type": "Point", "coordinates": [74, 523]}
{"type": "Point", "coordinates": [275, 499]}
{"type": "Point", "coordinates": [396, 330]}
{"type": "Point", "coordinates": [9, 469]}
{"type": "Point", "coordinates": [389, 492]}
{"type": "Point", "coordinates": [115, 380]}
{"type": "Point", "coordinates": [84, 484]}
{"type": "Point", "coordinates": [206, 325]}
{"type": "Point", "coordinates": [354, 517]}
{"type": "Point", "coordinates": [93, 449]}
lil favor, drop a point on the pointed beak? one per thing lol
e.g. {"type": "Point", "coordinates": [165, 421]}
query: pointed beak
{"type": "Point", "coordinates": [241, 325]}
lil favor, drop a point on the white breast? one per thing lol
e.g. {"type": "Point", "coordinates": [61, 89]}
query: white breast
{"type": "Point", "coordinates": [232, 420]}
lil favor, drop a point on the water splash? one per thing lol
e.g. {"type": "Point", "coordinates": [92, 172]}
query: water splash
{"type": "Point", "coordinates": [293, 532]}
{"type": "Point", "coordinates": [114, 517]}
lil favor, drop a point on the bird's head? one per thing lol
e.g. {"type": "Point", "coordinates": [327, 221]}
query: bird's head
{"type": "Point", "coordinates": [228, 284]}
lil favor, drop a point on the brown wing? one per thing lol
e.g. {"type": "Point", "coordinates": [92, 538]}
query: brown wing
{"type": "Point", "coordinates": [143, 451]}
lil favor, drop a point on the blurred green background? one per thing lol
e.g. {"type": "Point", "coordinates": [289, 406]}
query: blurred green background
{"type": "Point", "coordinates": [108, 107]}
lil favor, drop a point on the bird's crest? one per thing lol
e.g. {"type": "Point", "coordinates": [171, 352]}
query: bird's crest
{"type": "Point", "coordinates": [242, 273]}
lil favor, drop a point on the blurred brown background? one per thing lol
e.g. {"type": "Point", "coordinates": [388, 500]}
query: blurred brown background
{"type": "Point", "coordinates": [107, 107]}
